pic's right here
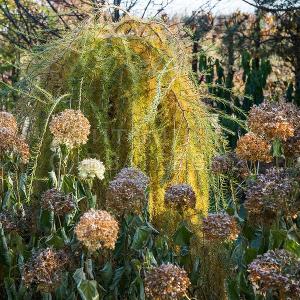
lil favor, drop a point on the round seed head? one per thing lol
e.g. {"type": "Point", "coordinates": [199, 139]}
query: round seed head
{"type": "Point", "coordinates": [180, 196]}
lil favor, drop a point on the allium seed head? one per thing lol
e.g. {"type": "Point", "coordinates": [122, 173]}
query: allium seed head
{"type": "Point", "coordinates": [253, 148]}
{"type": "Point", "coordinates": [8, 121]}
{"type": "Point", "coordinates": [91, 168]}
{"type": "Point", "coordinates": [180, 196]}
{"type": "Point", "coordinates": [276, 271]}
{"type": "Point", "coordinates": [219, 227]}
{"type": "Point", "coordinates": [126, 193]}
{"type": "Point", "coordinates": [97, 229]}
{"type": "Point", "coordinates": [167, 282]}
{"type": "Point", "coordinates": [58, 202]}
{"type": "Point", "coordinates": [70, 128]}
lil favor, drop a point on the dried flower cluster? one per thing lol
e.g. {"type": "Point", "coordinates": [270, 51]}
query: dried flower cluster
{"type": "Point", "coordinates": [271, 194]}
{"type": "Point", "coordinates": [97, 229]}
{"type": "Point", "coordinates": [8, 121]}
{"type": "Point", "coordinates": [58, 202]}
{"type": "Point", "coordinates": [167, 282]}
{"type": "Point", "coordinates": [180, 196]}
{"type": "Point", "coordinates": [274, 120]}
{"type": "Point", "coordinates": [91, 168]}
{"type": "Point", "coordinates": [70, 128]}
{"type": "Point", "coordinates": [292, 146]}
{"type": "Point", "coordinates": [126, 193]}
{"type": "Point", "coordinates": [253, 148]}
{"type": "Point", "coordinates": [230, 164]}
{"type": "Point", "coordinates": [219, 227]}
{"type": "Point", "coordinates": [276, 271]}
{"type": "Point", "coordinates": [45, 269]}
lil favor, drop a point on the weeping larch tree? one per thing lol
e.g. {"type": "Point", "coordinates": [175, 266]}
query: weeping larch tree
{"type": "Point", "coordinates": [132, 80]}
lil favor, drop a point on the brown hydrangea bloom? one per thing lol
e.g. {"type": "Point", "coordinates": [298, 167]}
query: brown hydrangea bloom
{"type": "Point", "coordinates": [274, 120]}
{"type": "Point", "coordinates": [253, 148]}
{"type": "Point", "coordinates": [45, 269]}
{"type": "Point", "coordinates": [8, 121]}
{"type": "Point", "coordinates": [276, 272]}
{"type": "Point", "coordinates": [167, 282]}
{"type": "Point", "coordinates": [292, 146]}
{"type": "Point", "coordinates": [70, 128]}
{"type": "Point", "coordinates": [126, 193]}
{"type": "Point", "coordinates": [97, 229]}
{"type": "Point", "coordinates": [10, 142]}
{"type": "Point", "coordinates": [271, 194]}
{"type": "Point", "coordinates": [219, 227]}
{"type": "Point", "coordinates": [57, 201]}
{"type": "Point", "coordinates": [230, 164]}
{"type": "Point", "coordinates": [180, 196]}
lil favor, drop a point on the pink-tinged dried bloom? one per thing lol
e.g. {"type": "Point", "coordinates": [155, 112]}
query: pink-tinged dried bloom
{"type": "Point", "coordinates": [45, 269]}
{"type": "Point", "coordinates": [126, 193]}
{"type": "Point", "coordinates": [274, 120]}
{"type": "Point", "coordinates": [219, 227]}
{"type": "Point", "coordinates": [253, 148]}
{"type": "Point", "coordinates": [276, 272]}
{"type": "Point", "coordinates": [292, 146]}
{"type": "Point", "coordinates": [12, 143]}
{"type": "Point", "coordinates": [180, 196]}
{"type": "Point", "coordinates": [8, 121]}
{"type": "Point", "coordinates": [229, 164]}
{"type": "Point", "coordinates": [57, 201]}
{"type": "Point", "coordinates": [272, 194]}
{"type": "Point", "coordinates": [167, 282]}
{"type": "Point", "coordinates": [70, 128]}
{"type": "Point", "coordinates": [97, 229]}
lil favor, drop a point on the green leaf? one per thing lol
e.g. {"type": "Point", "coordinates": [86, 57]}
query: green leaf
{"type": "Point", "coordinates": [182, 236]}
{"type": "Point", "coordinates": [277, 238]}
{"type": "Point", "coordinates": [293, 247]}
{"type": "Point", "coordinates": [106, 274]}
{"type": "Point", "coordinates": [88, 290]}
{"type": "Point", "coordinates": [140, 238]}
{"type": "Point", "coordinates": [79, 275]}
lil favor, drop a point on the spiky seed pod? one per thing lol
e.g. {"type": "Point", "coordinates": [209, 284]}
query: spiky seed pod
{"type": "Point", "coordinates": [274, 120]}
{"type": "Point", "coordinates": [230, 164]}
{"type": "Point", "coordinates": [91, 168]}
{"type": "Point", "coordinates": [167, 282]}
{"type": "Point", "coordinates": [58, 202]}
{"type": "Point", "coordinates": [180, 196]}
{"type": "Point", "coordinates": [45, 269]}
{"type": "Point", "coordinates": [292, 146]}
{"type": "Point", "coordinates": [272, 194]}
{"type": "Point", "coordinates": [12, 143]}
{"type": "Point", "coordinates": [97, 229]}
{"type": "Point", "coordinates": [70, 128]}
{"type": "Point", "coordinates": [126, 193]}
{"type": "Point", "coordinates": [253, 148]}
{"type": "Point", "coordinates": [276, 272]}
{"type": "Point", "coordinates": [8, 121]}
{"type": "Point", "coordinates": [219, 227]}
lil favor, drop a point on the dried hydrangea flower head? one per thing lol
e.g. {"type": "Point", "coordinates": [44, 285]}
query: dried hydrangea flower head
{"type": "Point", "coordinates": [8, 222]}
{"type": "Point", "coordinates": [8, 121]}
{"type": "Point", "coordinates": [180, 196]}
{"type": "Point", "coordinates": [70, 128]}
{"type": "Point", "coordinates": [253, 148]}
{"type": "Point", "coordinates": [126, 193]}
{"type": "Point", "coordinates": [97, 229]}
{"type": "Point", "coordinates": [274, 120]}
{"type": "Point", "coordinates": [91, 168]}
{"type": "Point", "coordinates": [45, 269]}
{"type": "Point", "coordinates": [12, 143]}
{"type": "Point", "coordinates": [277, 272]}
{"type": "Point", "coordinates": [167, 282]}
{"type": "Point", "coordinates": [230, 164]}
{"type": "Point", "coordinates": [219, 227]}
{"type": "Point", "coordinates": [271, 194]}
{"type": "Point", "coordinates": [292, 146]}
{"type": "Point", "coordinates": [58, 202]}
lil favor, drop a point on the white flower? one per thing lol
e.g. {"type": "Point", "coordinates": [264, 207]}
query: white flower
{"type": "Point", "coordinates": [91, 168]}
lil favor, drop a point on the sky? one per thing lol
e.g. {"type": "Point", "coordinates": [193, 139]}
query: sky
{"type": "Point", "coordinates": [182, 7]}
